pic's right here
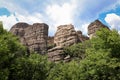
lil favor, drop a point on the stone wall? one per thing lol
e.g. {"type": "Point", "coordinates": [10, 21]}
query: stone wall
{"type": "Point", "coordinates": [33, 36]}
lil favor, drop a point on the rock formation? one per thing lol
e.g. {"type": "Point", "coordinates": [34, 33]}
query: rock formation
{"type": "Point", "coordinates": [95, 26]}
{"type": "Point", "coordinates": [81, 37]}
{"type": "Point", "coordinates": [65, 36]}
{"type": "Point", "coordinates": [50, 40]}
{"type": "Point", "coordinates": [33, 36]}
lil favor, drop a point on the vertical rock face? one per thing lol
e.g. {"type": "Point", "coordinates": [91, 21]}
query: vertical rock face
{"type": "Point", "coordinates": [81, 37]}
{"type": "Point", "coordinates": [19, 29]}
{"type": "Point", "coordinates": [33, 36]}
{"type": "Point", "coordinates": [50, 40]}
{"type": "Point", "coordinates": [95, 26]}
{"type": "Point", "coordinates": [36, 37]}
{"type": "Point", "coordinates": [65, 36]}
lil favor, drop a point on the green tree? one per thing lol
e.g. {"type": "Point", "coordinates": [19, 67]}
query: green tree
{"type": "Point", "coordinates": [64, 71]}
{"type": "Point", "coordinates": [102, 60]}
{"type": "Point", "coordinates": [10, 49]}
{"type": "Point", "coordinates": [77, 50]}
{"type": "Point", "coordinates": [34, 67]}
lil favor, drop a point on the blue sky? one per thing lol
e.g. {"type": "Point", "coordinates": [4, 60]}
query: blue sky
{"type": "Point", "coordinates": [80, 13]}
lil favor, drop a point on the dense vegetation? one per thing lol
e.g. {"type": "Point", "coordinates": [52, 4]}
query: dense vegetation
{"type": "Point", "coordinates": [95, 59]}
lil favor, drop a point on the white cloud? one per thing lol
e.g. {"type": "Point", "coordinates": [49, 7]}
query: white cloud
{"type": "Point", "coordinates": [113, 20]}
{"type": "Point", "coordinates": [84, 28]}
{"type": "Point", "coordinates": [53, 12]}
{"type": "Point", "coordinates": [33, 18]}
{"type": "Point", "coordinates": [61, 14]}
{"type": "Point", "coordinates": [9, 21]}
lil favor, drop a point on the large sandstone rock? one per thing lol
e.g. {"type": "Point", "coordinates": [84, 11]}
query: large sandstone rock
{"type": "Point", "coordinates": [19, 29]}
{"type": "Point", "coordinates": [33, 36]}
{"type": "Point", "coordinates": [95, 26]}
{"type": "Point", "coordinates": [56, 54]}
{"type": "Point", "coordinates": [65, 36]}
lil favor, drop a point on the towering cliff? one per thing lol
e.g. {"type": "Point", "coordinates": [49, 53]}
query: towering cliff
{"type": "Point", "coordinates": [33, 36]}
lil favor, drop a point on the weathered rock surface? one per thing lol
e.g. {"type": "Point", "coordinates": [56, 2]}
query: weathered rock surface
{"type": "Point", "coordinates": [19, 29]}
{"type": "Point", "coordinates": [95, 26]}
{"type": "Point", "coordinates": [65, 36]}
{"type": "Point", "coordinates": [81, 37]}
{"type": "Point", "coordinates": [50, 40]}
{"type": "Point", "coordinates": [56, 54]}
{"type": "Point", "coordinates": [33, 36]}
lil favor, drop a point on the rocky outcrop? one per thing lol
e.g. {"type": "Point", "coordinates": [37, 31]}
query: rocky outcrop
{"type": "Point", "coordinates": [65, 36]}
{"type": "Point", "coordinates": [19, 29]}
{"type": "Point", "coordinates": [81, 37]}
{"type": "Point", "coordinates": [55, 54]}
{"type": "Point", "coordinates": [33, 36]}
{"type": "Point", "coordinates": [95, 26]}
{"type": "Point", "coordinates": [50, 40]}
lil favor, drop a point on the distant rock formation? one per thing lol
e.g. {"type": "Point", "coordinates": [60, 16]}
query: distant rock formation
{"type": "Point", "coordinates": [33, 36]}
{"type": "Point", "coordinates": [95, 26]}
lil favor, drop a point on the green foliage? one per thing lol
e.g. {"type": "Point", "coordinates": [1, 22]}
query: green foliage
{"type": "Point", "coordinates": [1, 28]}
{"type": "Point", "coordinates": [102, 60]}
{"type": "Point", "coordinates": [77, 50]}
{"type": "Point", "coordinates": [65, 71]}
{"type": "Point", "coordinates": [102, 57]}
{"type": "Point", "coordinates": [50, 46]}
{"type": "Point", "coordinates": [107, 39]}
{"type": "Point", "coordinates": [10, 49]}
{"type": "Point", "coordinates": [99, 59]}
{"type": "Point", "coordinates": [34, 67]}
